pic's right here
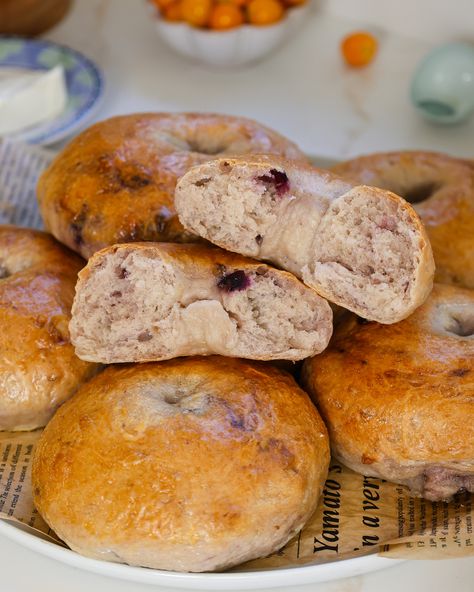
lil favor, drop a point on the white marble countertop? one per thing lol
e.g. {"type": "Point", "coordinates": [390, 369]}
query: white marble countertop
{"type": "Point", "coordinates": [304, 92]}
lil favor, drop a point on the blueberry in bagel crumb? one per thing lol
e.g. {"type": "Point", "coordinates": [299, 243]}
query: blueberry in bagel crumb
{"type": "Point", "coordinates": [145, 336]}
{"type": "Point", "coordinates": [122, 272]}
{"type": "Point", "coordinates": [278, 179]}
{"type": "Point", "coordinates": [234, 281]}
{"type": "Point", "coordinates": [202, 182]}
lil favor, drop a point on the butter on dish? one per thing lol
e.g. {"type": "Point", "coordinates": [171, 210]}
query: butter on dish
{"type": "Point", "coordinates": [30, 97]}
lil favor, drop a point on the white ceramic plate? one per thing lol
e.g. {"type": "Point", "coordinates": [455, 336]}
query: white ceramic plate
{"type": "Point", "coordinates": [249, 580]}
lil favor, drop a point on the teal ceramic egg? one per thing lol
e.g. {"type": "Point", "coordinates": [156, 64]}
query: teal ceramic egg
{"type": "Point", "coordinates": [443, 86]}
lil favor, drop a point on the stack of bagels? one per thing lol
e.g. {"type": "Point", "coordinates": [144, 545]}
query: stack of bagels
{"type": "Point", "coordinates": [177, 434]}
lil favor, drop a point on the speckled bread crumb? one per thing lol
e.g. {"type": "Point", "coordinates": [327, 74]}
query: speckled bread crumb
{"type": "Point", "coordinates": [360, 247]}
{"type": "Point", "coordinates": [145, 302]}
{"type": "Point", "coordinates": [441, 189]}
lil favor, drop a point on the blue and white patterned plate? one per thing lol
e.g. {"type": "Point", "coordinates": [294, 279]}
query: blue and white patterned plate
{"type": "Point", "coordinates": [84, 83]}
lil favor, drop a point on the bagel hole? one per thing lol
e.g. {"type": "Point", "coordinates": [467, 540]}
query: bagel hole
{"type": "Point", "coordinates": [184, 398]}
{"type": "Point", "coordinates": [461, 324]}
{"type": "Point", "coordinates": [420, 192]}
{"type": "Point", "coordinates": [205, 148]}
{"type": "Point", "coordinates": [4, 273]}
{"type": "Point", "coordinates": [173, 398]}
{"type": "Point", "coordinates": [174, 394]}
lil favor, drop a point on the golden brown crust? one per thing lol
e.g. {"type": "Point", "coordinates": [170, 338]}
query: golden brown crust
{"type": "Point", "coordinates": [399, 399]}
{"type": "Point", "coordinates": [38, 367]}
{"type": "Point", "coordinates": [115, 182]}
{"type": "Point", "coordinates": [189, 465]}
{"type": "Point", "coordinates": [448, 212]}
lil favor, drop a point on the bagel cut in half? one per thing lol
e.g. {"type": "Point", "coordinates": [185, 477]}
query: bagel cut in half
{"type": "Point", "coordinates": [148, 302]}
{"type": "Point", "coordinates": [186, 465]}
{"type": "Point", "coordinates": [360, 247]}
{"type": "Point", "coordinates": [441, 190]}
{"type": "Point", "coordinates": [398, 400]}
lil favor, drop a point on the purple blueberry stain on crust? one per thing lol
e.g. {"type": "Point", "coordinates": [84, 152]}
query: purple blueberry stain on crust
{"type": "Point", "coordinates": [77, 225]}
{"type": "Point", "coordinates": [277, 179]}
{"type": "Point", "coordinates": [233, 282]}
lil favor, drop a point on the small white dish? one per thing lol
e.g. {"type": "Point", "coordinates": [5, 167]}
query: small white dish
{"type": "Point", "coordinates": [83, 79]}
{"type": "Point", "coordinates": [234, 47]}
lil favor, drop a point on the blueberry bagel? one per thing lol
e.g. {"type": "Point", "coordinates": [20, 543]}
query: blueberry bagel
{"type": "Point", "coordinates": [38, 367]}
{"type": "Point", "coordinates": [115, 181]}
{"type": "Point", "coordinates": [398, 400]}
{"type": "Point", "coordinates": [187, 465]}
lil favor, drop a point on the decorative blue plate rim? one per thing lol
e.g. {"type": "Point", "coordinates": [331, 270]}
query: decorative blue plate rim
{"type": "Point", "coordinates": [28, 55]}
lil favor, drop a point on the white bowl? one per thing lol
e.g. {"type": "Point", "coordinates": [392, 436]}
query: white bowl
{"type": "Point", "coordinates": [234, 47]}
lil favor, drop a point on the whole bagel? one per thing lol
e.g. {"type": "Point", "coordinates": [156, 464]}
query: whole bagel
{"type": "Point", "coordinates": [441, 189]}
{"type": "Point", "coordinates": [190, 465]}
{"type": "Point", "coordinates": [115, 182]}
{"type": "Point", "coordinates": [38, 367]}
{"type": "Point", "coordinates": [398, 400]}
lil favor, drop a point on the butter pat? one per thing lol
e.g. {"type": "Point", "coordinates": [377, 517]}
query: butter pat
{"type": "Point", "coordinates": [30, 97]}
